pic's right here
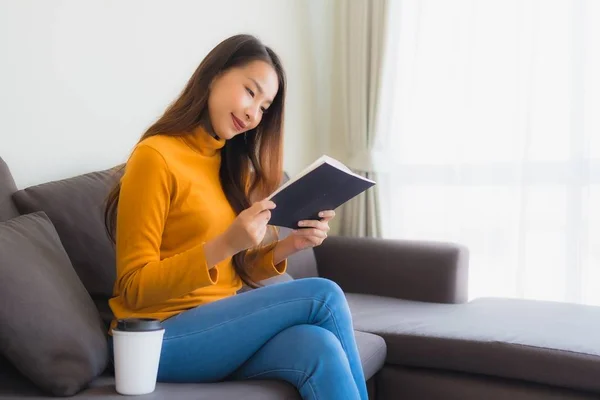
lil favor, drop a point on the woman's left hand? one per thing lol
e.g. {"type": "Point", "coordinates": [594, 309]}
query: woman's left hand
{"type": "Point", "coordinates": [312, 233]}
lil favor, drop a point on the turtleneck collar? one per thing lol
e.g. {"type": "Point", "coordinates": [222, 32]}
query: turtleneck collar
{"type": "Point", "coordinates": [204, 142]}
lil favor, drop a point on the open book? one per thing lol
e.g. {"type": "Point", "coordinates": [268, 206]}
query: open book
{"type": "Point", "coordinates": [324, 185]}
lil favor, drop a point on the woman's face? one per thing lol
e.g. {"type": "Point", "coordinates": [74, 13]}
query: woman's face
{"type": "Point", "coordinates": [239, 98]}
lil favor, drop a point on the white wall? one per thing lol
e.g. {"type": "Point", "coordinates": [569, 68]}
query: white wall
{"type": "Point", "coordinates": [81, 80]}
{"type": "Point", "coordinates": [321, 36]}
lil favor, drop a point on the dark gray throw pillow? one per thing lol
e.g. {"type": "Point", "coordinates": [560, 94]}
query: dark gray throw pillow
{"type": "Point", "coordinates": [50, 329]}
{"type": "Point", "coordinates": [75, 207]}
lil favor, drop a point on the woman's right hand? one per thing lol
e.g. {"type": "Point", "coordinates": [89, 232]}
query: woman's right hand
{"type": "Point", "coordinates": [250, 226]}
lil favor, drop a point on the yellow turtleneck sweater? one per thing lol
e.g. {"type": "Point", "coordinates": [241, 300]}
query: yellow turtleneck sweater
{"type": "Point", "coordinates": [171, 203]}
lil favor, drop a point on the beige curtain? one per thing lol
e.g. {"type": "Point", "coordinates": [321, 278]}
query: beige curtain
{"type": "Point", "coordinates": [364, 63]}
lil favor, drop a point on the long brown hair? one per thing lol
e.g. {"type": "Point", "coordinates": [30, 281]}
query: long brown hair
{"type": "Point", "coordinates": [251, 164]}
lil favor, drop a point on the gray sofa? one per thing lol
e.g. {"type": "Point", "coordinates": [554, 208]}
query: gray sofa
{"type": "Point", "coordinates": [418, 335]}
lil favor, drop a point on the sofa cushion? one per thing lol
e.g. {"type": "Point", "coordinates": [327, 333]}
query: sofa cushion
{"type": "Point", "coordinates": [103, 388]}
{"type": "Point", "coordinates": [50, 329]}
{"type": "Point", "coordinates": [545, 342]}
{"type": "Point", "coordinates": [372, 350]}
{"type": "Point", "coordinates": [7, 188]}
{"type": "Point", "coordinates": [75, 207]}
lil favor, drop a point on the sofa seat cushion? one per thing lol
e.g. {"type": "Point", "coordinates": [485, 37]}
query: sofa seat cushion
{"type": "Point", "coordinates": [545, 342]}
{"type": "Point", "coordinates": [104, 388]}
{"type": "Point", "coordinates": [372, 350]}
{"type": "Point", "coordinates": [13, 386]}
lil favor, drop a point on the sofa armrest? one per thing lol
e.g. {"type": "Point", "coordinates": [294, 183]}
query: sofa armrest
{"type": "Point", "coordinates": [413, 270]}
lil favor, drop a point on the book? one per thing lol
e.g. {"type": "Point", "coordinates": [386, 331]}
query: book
{"type": "Point", "coordinates": [324, 185]}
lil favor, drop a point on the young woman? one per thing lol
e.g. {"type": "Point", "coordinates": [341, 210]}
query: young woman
{"type": "Point", "coordinates": [191, 226]}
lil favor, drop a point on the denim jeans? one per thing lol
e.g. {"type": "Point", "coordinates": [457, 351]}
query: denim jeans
{"type": "Point", "coordinates": [299, 331]}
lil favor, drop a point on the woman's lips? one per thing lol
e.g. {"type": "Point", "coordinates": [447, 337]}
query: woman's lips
{"type": "Point", "coordinates": [238, 123]}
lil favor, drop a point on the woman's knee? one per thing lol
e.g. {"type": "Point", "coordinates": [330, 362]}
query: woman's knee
{"type": "Point", "coordinates": [322, 286]}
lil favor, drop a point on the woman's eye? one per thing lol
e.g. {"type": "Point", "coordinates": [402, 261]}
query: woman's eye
{"type": "Point", "coordinates": [250, 92]}
{"type": "Point", "coordinates": [264, 110]}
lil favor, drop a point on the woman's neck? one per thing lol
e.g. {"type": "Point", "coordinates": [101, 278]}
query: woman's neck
{"type": "Point", "coordinates": [207, 125]}
{"type": "Point", "coordinates": [201, 141]}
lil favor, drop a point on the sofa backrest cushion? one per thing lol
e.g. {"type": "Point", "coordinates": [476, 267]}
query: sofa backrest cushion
{"type": "Point", "coordinates": [7, 188]}
{"type": "Point", "coordinates": [75, 207]}
{"type": "Point", "coordinates": [50, 329]}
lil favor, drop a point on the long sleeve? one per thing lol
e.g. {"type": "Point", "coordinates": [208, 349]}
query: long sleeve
{"type": "Point", "coordinates": [143, 278]}
{"type": "Point", "coordinates": [261, 263]}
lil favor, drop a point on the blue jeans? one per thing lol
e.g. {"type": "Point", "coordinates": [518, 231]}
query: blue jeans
{"type": "Point", "coordinates": [299, 331]}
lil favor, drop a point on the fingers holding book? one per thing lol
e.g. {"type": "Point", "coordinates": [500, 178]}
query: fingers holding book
{"type": "Point", "coordinates": [319, 227]}
{"type": "Point", "coordinates": [249, 227]}
{"type": "Point", "coordinates": [313, 232]}
{"type": "Point", "coordinates": [327, 215]}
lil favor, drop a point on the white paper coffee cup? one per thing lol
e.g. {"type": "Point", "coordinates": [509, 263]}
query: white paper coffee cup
{"type": "Point", "coordinates": [137, 343]}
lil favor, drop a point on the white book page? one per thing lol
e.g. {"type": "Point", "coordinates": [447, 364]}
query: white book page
{"type": "Point", "coordinates": [335, 163]}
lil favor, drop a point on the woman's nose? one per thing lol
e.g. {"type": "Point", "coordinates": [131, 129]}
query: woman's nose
{"type": "Point", "coordinates": [252, 114]}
